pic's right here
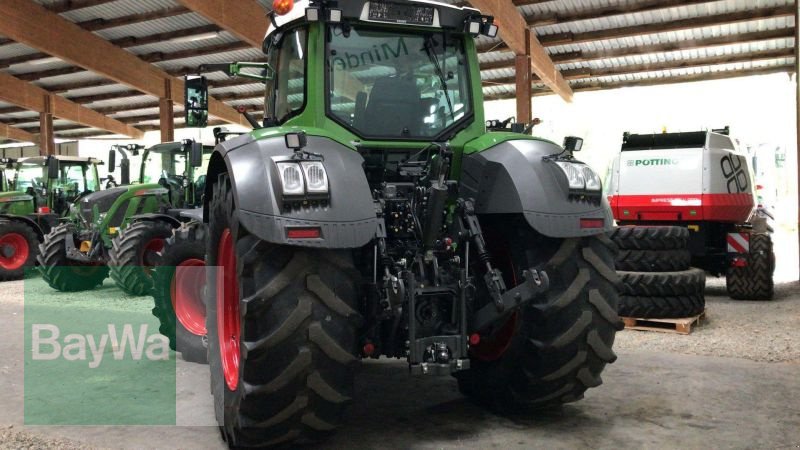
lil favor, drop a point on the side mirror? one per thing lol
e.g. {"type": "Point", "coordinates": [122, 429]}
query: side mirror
{"type": "Point", "coordinates": [196, 154]}
{"type": "Point", "coordinates": [112, 160]}
{"type": "Point", "coordinates": [52, 168]}
{"type": "Point", "coordinates": [195, 101]}
{"type": "Point", "coordinates": [125, 169]}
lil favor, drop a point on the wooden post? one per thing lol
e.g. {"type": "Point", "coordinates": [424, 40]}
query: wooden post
{"type": "Point", "coordinates": [522, 67]}
{"type": "Point", "coordinates": [47, 143]}
{"type": "Point", "coordinates": [166, 114]}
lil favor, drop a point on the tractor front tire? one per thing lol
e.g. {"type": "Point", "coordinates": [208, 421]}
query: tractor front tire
{"type": "Point", "coordinates": [178, 286]}
{"type": "Point", "coordinates": [754, 281]}
{"type": "Point", "coordinates": [282, 334]}
{"type": "Point", "coordinates": [134, 252]}
{"type": "Point", "coordinates": [561, 344]}
{"type": "Point", "coordinates": [19, 246]}
{"type": "Point", "coordinates": [64, 274]}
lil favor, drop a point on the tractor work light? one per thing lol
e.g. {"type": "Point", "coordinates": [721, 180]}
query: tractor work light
{"type": "Point", "coordinates": [474, 27]}
{"type": "Point", "coordinates": [334, 15]}
{"type": "Point", "coordinates": [573, 144]}
{"type": "Point", "coordinates": [581, 178]}
{"type": "Point", "coordinates": [291, 179]}
{"type": "Point", "coordinates": [312, 14]}
{"type": "Point", "coordinates": [490, 30]}
{"type": "Point", "coordinates": [316, 177]}
{"type": "Point", "coordinates": [296, 141]}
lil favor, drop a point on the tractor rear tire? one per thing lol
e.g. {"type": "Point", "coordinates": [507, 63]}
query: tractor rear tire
{"type": "Point", "coordinates": [664, 307]}
{"type": "Point", "coordinates": [663, 284]}
{"type": "Point", "coordinates": [176, 286]}
{"type": "Point", "coordinates": [653, 260]}
{"type": "Point", "coordinates": [651, 238]}
{"type": "Point", "coordinates": [284, 369]}
{"type": "Point", "coordinates": [19, 245]}
{"type": "Point", "coordinates": [561, 344]}
{"type": "Point", "coordinates": [134, 252]}
{"type": "Point", "coordinates": [61, 273]}
{"type": "Point", "coordinates": [754, 281]}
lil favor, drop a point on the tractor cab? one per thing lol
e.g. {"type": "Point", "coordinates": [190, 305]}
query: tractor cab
{"type": "Point", "coordinates": [179, 167]}
{"type": "Point", "coordinates": [54, 182]}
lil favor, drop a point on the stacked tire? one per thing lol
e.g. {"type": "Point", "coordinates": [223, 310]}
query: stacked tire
{"type": "Point", "coordinates": [657, 281]}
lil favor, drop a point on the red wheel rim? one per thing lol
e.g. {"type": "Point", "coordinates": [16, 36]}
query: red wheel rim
{"type": "Point", "coordinates": [186, 293]}
{"type": "Point", "coordinates": [492, 347]}
{"type": "Point", "coordinates": [151, 251]}
{"type": "Point", "coordinates": [228, 310]}
{"type": "Point", "coordinates": [19, 251]}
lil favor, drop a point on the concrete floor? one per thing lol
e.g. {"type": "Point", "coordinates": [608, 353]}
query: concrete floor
{"type": "Point", "coordinates": [649, 399]}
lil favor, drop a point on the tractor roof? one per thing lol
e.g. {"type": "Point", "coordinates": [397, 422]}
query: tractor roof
{"type": "Point", "coordinates": [42, 160]}
{"type": "Point", "coordinates": [442, 15]}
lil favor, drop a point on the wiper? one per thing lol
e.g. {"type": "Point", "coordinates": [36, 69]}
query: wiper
{"type": "Point", "coordinates": [439, 73]}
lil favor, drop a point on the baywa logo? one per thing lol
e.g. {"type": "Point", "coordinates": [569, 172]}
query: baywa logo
{"type": "Point", "coordinates": [650, 162]}
{"type": "Point", "coordinates": [91, 349]}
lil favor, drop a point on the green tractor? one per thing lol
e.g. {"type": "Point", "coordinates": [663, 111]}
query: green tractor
{"type": "Point", "coordinates": [178, 167]}
{"type": "Point", "coordinates": [39, 190]}
{"type": "Point", "coordinates": [373, 214]}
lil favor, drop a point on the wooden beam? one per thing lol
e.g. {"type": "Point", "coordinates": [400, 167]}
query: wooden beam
{"type": "Point", "coordinates": [34, 98]}
{"type": "Point", "coordinates": [29, 23]}
{"type": "Point", "coordinates": [17, 134]}
{"type": "Point", "coordinates": [72, 5]}
{"type": "Point", "coordinates": [513, 33]}
{"type": "Point", "coordinates": [540, 20]}
{"type": "Point", "coordinates": [675, 25]}
{"type": "Point", "coordinates": [166, 115]}
{"type": "Point", "coordinates": [245, 19]}
{"type": "Point", "coordinates": [125, 42]}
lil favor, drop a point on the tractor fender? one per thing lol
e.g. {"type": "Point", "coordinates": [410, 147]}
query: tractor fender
{"type": "Point", "coordinates": [515, 177]}
{"type": "Point", "coordinates": [27, 221]}
{"type": "Point", "coordinates": [347, 219]}
{"type": "Point", "coordinates": [154, 217]}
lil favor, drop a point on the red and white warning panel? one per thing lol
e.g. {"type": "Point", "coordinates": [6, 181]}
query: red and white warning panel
{"type": "Point", "coordinates": [738, 243]}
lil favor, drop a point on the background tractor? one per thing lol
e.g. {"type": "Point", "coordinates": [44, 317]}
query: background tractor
{"type": "Point", "coordinates": [701, 183]}
{"type": "Point", "coordinates": [39, 191]}
{"type": "Point", "coordinates": [177, 167]}
{"type": "Point", "coordinates": [372, 214]}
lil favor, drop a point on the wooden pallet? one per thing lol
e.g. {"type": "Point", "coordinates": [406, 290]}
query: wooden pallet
{"type": "Point", "coordinates": [679, 326]}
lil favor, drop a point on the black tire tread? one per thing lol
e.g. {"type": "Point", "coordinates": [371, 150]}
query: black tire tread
{"type": "Point", "coordinates": [653, 260]}
{"type": "Point", "coordinates": [666, 307]}
{"type": "Point", "coordinates": [570, 341]}
{"type": "Point", "coordinates": [125, 255]}
{"type": "Point", "coordinates": [651, 238]}
{"type": "Point", "coordinates": [660, 284]}
{"type": "Point", "coordinates": [754, 282]}
{"type": "Point", "coordinates": [58, 271]}
{"type": "Point", "coordinates": [298, 361]}
{"type": "Point", "coordinates": [187, 242]}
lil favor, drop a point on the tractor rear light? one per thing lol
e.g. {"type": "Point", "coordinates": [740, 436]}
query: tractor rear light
{"type": "Point", "coordinates": [474, 339]}
{"type": "Point", "coordinates": [593, 182]}
{"type": "Point", "coordinates": [282, 7]}
{"type": "Point", "coordinates": [291, 178]}
{"type": "Point", "coordinates": [592, 223]}
{"type": "Point", "coordinates": [44, 210]}
{"type": "Point", "coordinates": [574, 175]}
{"type": "Point", "coordinates": [316, 177]}
{"type": "Point", "coordinates": [738, 262]}
{"type": "Point", "coordinates": [368, 349]}
{"type": "Point", "coordinates": [304, 233]}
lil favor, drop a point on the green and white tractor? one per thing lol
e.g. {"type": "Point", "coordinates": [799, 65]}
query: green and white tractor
{"type": "Point", "coordinates": [38, 191]}
{"type": "Point", "coordinates": [372, 214]}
